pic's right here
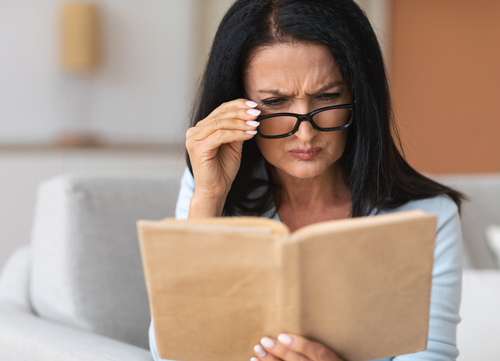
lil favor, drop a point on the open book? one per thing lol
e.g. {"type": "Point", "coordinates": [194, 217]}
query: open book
{"type": "Point", "coordinates": [360, 286]}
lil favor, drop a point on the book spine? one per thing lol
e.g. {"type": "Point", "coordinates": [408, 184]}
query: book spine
{"type": "Point", "coordinates": [290, 288]}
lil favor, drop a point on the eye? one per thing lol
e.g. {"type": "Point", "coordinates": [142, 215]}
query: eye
{"type": "Point", "coordinates": [328, 97]}
{"type": "Point", "coordinates": [272, 101]}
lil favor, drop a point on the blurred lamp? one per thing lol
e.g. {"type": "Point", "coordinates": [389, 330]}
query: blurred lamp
{"type": "Point", "coordinates": [80, 49]}
{"type": "Point", "coordinates": [79, 57]}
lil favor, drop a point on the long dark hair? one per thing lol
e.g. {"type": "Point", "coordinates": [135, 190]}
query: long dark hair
{"type": "Point", "coordinates": [377, 174]}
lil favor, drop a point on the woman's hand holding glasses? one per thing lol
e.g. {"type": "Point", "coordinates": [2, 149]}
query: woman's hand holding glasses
{"type": "Point", "coordinates": [214, 146]}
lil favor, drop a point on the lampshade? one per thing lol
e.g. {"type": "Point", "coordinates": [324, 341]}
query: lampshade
{"type": "Point", "coordinates": [80, 48]}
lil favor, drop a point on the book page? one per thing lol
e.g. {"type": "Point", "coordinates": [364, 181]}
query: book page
{"type": "Point", "coordinates": [352, 223]}
{"type": "Point", "coordinates": [365, 284]}
{"type": "Point", "coordinates": [212, 287]}
{"type": "Point", "coordinates": [275, 226]}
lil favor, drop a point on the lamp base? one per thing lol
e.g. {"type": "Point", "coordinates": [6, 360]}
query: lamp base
{"type": "Point", "coordinates": [77, 140]}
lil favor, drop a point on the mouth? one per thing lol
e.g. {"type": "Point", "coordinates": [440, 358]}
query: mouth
{"type": "Point", "coordinates": [305, 154]}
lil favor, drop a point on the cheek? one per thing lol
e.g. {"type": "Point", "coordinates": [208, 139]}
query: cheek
{"type": "Point", "coordinates": [338, 140]}
{"type": "Point", "coordinates": [269, 148]}
{"type": "Point", "coordinates": [343, 138]}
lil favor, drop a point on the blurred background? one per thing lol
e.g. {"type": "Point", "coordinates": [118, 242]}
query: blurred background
{"type": "Point", "coordinates": [121, 102]}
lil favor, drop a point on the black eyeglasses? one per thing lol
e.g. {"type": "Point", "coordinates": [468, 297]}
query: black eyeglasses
{"type": "Point", "coordinates": [328, 119]}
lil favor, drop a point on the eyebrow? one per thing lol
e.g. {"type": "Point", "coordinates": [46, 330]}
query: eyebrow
{"type": "Point", "coordinates": [277, 92]}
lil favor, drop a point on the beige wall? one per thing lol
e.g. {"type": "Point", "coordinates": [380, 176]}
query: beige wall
{"type": "Point", "coordinates": [379, 13]}
{"type": "Point", "coordinates": [140, 92]}
{"type": "Point", "coordinates": [209, 14]}
{"type": "Point", "coordinates": [446, 83]}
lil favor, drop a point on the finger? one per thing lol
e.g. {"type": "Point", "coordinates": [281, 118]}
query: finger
{"type": "Point", "coordinates": [280, 351]}
{"type": "Point", "coordinates": [231, 119]}
{"type": "Point", "coordinates": [262, 355]}
{"type": "Point", "coordinates": [216, 139]}
{"type": "Point", "coordinates": [312, 350]}
{"type": "Point", "coordinates": [213, 142]}
{"type": "Point", "coordinates": [235, 104]}
{"type": "Point", "coordinates": [234, 123]}
{"type": "Point", "coordinates": [231, 109]}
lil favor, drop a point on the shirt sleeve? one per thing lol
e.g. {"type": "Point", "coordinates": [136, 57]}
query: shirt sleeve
{"type": "Point", "coordinates": [446, 288]}
{"type": "Point", "coordinates": [185, 195]}
{"type": "Point", "coordinates": [152, 344]}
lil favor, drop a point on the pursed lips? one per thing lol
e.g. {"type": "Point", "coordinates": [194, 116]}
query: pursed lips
{"type": "Point", "coordinates": [305, 153]}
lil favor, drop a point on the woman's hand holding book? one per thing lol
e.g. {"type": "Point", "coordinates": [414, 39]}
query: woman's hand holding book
{"type": "Point", "coordinates": [292, 348]}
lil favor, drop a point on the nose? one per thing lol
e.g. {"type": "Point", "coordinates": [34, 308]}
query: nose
{"type": "Point", "coordinates": [306, 131]}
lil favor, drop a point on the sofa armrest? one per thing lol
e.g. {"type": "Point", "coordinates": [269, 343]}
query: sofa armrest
{"type": "Point", "coordinates": [14, 277]}
{"type": "Point", "coordinates": [25, 336]}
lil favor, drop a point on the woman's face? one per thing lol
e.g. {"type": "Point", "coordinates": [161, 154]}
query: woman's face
{"type": "Point", "coordinates": [298, 78]}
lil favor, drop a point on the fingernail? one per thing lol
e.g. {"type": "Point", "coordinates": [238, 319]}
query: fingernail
{"type": "Point", "coordinates": [259, 350]}
{"type": "Point", "coordinates": [251, 104]}
{"type": "Point", "coordinates": [267, 342]}
{"type": "Point", "coordinates": [254, 359]}
{"type": "Point", "coordinates": [253, 132]}
{"type": "Point", "coordinates": [284, 338]}
{"type": "Point", "coordinates": [253, 112]}
{"type": "Point", "coordinates": [252, 123]}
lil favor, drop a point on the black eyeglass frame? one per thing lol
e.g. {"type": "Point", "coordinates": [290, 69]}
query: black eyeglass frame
{"type": "Point", "coordinates": [307, 117]}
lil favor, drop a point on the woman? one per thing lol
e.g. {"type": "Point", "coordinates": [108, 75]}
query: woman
{"type": "Point", "coordinates": [332, 155]}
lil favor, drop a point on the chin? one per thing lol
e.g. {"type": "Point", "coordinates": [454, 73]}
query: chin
{"type": "Point", "coordinates": [305, 170]}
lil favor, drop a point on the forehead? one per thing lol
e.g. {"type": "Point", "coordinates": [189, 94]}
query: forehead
{"type": "Point", "coordinates": [291, 66]}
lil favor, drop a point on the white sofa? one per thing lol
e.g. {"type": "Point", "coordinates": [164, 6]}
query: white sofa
{"type": "Point", "coordinates": [76, 291]}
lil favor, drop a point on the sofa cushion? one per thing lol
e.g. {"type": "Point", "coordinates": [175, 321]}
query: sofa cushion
{"type": "Point", "coordinates": [86, 266]}
{"type": "Point", "coordinates": [493, 238]}
{"type": "Point", "coordinates": [477, 333]}
{"type": "Point", "coordinates": [483, 208]}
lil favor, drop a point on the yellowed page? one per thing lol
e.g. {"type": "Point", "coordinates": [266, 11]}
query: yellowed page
{"type": "Point", "coordinates": [290, 288]}
{"type": "Point", "coordinates": [212, 288]}
{"type": "Point", "coordinates": [276, 226]}
{"type": "Point", "coordinates": [365, 284]}
{"type": "Point", "coordinates": [345, 224]}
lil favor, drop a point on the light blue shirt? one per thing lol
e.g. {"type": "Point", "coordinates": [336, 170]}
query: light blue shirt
{"type": "Point", "coordinates": [446, 274]}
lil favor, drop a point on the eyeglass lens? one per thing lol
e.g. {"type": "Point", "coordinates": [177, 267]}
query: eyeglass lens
{"type": "Point", "coordinates": [284, 124]}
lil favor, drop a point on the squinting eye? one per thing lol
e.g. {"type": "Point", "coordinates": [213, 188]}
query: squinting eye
{"type": "Point", "coordinates": [271, 102]}
{"type": "Point", "coordinates": [329, 96]}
